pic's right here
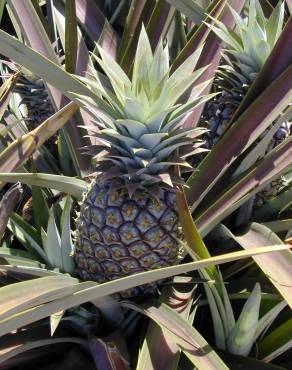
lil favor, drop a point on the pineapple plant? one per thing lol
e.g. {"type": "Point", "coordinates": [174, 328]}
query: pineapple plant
{"type": "Point", "coordinates": [35, 99]}
{"type": "Point", "coordinates": [128, 220]}
{"type": "Point", "coordinates": [247, 49]}
{"type": "Point", "coordinates": [123, 177]}
{"type": "Point", "coordinates": [37, 104]}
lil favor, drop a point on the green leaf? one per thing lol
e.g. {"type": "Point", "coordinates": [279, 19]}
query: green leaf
{"type": "Point", "coordinates": [190, 9]}
{"type": "Point", "coordinates": [236, 362]}
{"type": "Point", "coordinates": [53, 243]}
{"type": "Point", "coordinates": [6, 90]}
{"type": "Point", "coordinates": [28, 269]}
{"type": "Point", "coordinates": [130, 30]}
{"type": "Point", "coordinates": [92, 291]}
{"type": "Point", "coordinates": [159, 349]}
{"type": "Point", "coordinates": [268, 318]}
{"type": "Point", "coordinates": [273, 205]}
{"type": "Point", "coordinates": [2, 6]}
{"type": "Point", "coordinates": [241, 338]}
{"type": "Point", "coordinates": [245, 186]}
{"type": "Point", "coordinates": [218, 320]}
{"type": "Point", "coordinates": [196, 246]}
{"type": "Point", "coordinates": [55, 320]}
{"type": "Point", "coordinates": [159, 23]}
{"type": "Point", "coordinates": [40, 208]}
{"type": "Point", "coordinates": [275, 23]}
{"type": "Point", "coordinates": [13, 256]}
{"type": "Point", "coordinates": [70, 185]}
{"type": "Point", "coordinates": [65, 159]}
{"type": "Point", "coordinates": [276, 342]}
{"type": "Point", "coordinates": [35, 345]}
{"type": "Point", "coordinates": [27, 235]}
{"type": "Point", "coordinates": [279, 225]}
{"type": "Point", "coordinates": [278, 61]}
{"type": "Point", "coordinates": [66, 239]}
{"type": "Point", "coordinates": [37, 38]}
{"type": "Point", "coordinates": [49, 71]}
{"type": "Point", "coordinates": [24, 295]}
{"type": "Point", "coordinates": [276, 266]}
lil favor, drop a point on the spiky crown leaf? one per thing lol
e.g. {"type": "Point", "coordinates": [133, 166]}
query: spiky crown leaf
{"type": "Point", "coordinates": [140, 134]}
{"type": "Point", "coordinates": [253, 40]}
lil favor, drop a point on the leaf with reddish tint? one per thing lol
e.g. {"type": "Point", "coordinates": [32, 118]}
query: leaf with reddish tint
{"type": "Point", "coordinates": [211, 53]}
{"type": "Point", "coordinates": [93, 20]}
{"type": "Point", "coordinates": [106, 354]}
{"type": "Point", "coordinates": [194, 346]}
{"type": "Point", "coordinates": [21, 149]}
{"type": "Point", "coordinates": [277, 265]}
{"type": "Point", "coordinates": [90, 291]}
{"type": "Point", "coordinates": [249, 183]}
{"type": "Point", "coordinates": [198, 37]}
{"type": "Point", "coordinates": [83, 61]}
{"type": "Point", "coordinates": [36, 37]}
{"type": "Point", "coordinates": [131, 23]}
{"type": "Point", "coordinates": [66, 184]}
{"type": "Point", "coordinates": [108, 40]}
{"type": "Point", "coordinates": [159, 349]}
{"type": "Point", "coordinates": [190, 9]}
{"type": "Point", "coordinates": [264, 110]}
{"type": "Point", "coordinates": [159, 22]}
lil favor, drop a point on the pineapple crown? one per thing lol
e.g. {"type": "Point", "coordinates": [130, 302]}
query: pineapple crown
{"type": "Point", "coordinates": [253, 39]}
{"type": "Point", "coordinates": [140, 133]}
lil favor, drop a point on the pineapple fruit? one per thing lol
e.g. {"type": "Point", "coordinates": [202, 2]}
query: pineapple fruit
{"type": "Point", "coordinates": [35, 99]}
{"type": "Point", "coordinates": [128, 220]}
{"type": "Point", "coordinates": [37, 104]}
{"type": "Point", "coordinates": [247, 49]}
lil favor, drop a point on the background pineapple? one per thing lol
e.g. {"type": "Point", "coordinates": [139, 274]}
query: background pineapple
{"type": "Point", "coordinates": [247, 49]}
{"type": "Point", "coordinates": [35, 99]}
{"type": "Point", "coordinates": [128, 221]}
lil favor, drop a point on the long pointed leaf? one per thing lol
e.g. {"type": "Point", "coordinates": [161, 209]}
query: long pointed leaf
{"type": "Point", "coordinates": [277, 267]}
{"type": "Point", "coordinates": [101, 290]}
{"type": "Point", "coordinates": [187, 337]}
{"type": "Point", "coordinates": [65, 184]}
{"type": "Point", "coordinates": [253, 180]}
{"type": "Point", "coordinates": [260, 115]}
{"type": "Point", "coordinates": [278, 61]}
{"type": "Point", "coordinates": [21, 149]}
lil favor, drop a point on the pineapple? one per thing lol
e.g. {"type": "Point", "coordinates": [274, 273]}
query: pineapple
{"type": "Point", "coordinates": [35, 98]}
{"type": "Point", "coordinates": [128, 220]}
{"type": "Point", "coordinates": [247, 49]}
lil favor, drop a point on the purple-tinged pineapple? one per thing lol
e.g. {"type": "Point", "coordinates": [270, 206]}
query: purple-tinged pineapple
{"type": "Point", "coordinates": [128, 221]}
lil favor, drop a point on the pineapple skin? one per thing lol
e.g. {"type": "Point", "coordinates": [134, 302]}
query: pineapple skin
{"type": "Point", "coordinates": [118, 236]}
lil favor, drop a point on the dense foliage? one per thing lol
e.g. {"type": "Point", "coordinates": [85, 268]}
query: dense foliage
{"type": "Point", "coordinates": [146, 184]}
